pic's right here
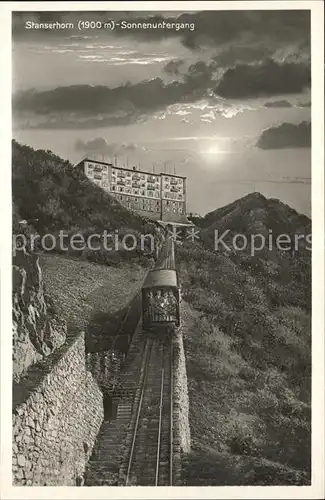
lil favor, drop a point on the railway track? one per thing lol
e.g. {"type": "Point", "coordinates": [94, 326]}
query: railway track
{"type": "Point", "coordinates": [166, 258]}
{"type": "Point", "coordinates": [150, 455]}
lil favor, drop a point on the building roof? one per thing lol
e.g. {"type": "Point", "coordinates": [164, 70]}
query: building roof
{"type": "Point", "coordinates": [98, 161]}
{"type": "Point", "coordinates": [160, 278]}
{"type": "Point", "coordinates": [131, 169]}
{"type": "Point", "coordinates": [181, 224]}
{"type": "Point", "coordinates": [173, 175]}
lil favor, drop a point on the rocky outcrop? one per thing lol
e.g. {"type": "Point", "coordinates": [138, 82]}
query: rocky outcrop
{"type": "Point", "coordinates": [37, 330]}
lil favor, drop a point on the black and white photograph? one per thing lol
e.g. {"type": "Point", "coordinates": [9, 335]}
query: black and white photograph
{"type": "Point", "coordinates": [161, 189]}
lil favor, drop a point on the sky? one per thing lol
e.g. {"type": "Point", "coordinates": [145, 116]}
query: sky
{"type": "Point", "coordinates": [221, 97]}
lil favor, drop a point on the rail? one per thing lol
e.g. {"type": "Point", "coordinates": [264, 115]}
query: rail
{"type": "Point", "coordinates": [152, 433]}
{"type": "Point", "coordinates": [159, 428]}
{"type": "Point", "coordinates": [143, 384]}
{"type": "Point", "coordinates": [171, 425]}
{"type": "Point", "coordinates": [166, 259]}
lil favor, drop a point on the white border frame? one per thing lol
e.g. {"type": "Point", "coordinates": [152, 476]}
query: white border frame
{"type": "Point", "coordinates": [316, 490]}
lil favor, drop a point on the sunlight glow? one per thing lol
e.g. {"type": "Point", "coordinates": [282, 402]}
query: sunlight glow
{"type": "Point", "coordinates": [213, 150]}
{"type": "Point", "coordinates": [213, 153]}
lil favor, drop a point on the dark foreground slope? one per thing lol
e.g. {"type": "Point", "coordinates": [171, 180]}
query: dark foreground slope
{"type": "Point", "coordinates": [248, 350]}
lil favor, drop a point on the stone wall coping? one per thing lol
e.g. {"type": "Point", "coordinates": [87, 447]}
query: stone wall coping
{"type": "Point", "coordinates": [37, 373]}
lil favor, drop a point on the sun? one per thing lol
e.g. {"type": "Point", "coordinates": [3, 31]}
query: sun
{"type": "Point", "coordinates": [212, 151]}
{"type": "Point", "coordinates": [213, 154]}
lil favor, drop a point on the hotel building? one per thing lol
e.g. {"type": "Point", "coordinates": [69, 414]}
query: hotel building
{"type": "Point", "coordinates": [156, 196]}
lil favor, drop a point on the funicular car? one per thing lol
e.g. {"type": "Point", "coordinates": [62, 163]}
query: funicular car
{"type": "Point", "coordinates": [161, 298]}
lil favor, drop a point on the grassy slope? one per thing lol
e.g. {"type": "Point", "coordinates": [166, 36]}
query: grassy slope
{"type": "Point", "coordinates": [248, 368]}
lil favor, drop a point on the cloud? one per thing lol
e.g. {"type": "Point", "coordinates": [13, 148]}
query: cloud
{"type": "Point", "coordinates": [89, 106]}
{"type": "Point", "coordinates": [173, 67]}
{"type": "Point", "coordinates": [72, 122]}
{"type": "Point", "coordinates": [306, 104]}
{"type": "Point", "coordinates": [100, 146]}
{"type": "Point", "coordinates": [265, 79]}
{"type": "Point", "coordinates": [278, 104]}
{"type": "Point", "coordinates": [85, 103]}
{"type": "Point", "coordinates": [234, 54]}
{"type": "Point", "coordinates": [286, 135]}
{"type": "Point", "coordinates": [296, 180]}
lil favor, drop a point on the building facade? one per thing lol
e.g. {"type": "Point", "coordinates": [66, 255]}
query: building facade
{"type": "Point", "coordinates": [156, 196]}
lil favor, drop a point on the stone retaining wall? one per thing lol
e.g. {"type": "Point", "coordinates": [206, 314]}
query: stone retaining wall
{"type": "Point", "coordinates": [55, 427]}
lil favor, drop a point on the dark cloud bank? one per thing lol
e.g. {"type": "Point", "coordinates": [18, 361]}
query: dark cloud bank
{"type": "Point", "coordinates": [266, 79]}
{"type": "Point", "coordinates": [286, 135]}
{"type": "Point", "coordinates": [120, 105]}
{"type": "Point", "coordinates": [278, 104]}
{"type": "Point", "coordinates": [101, 105]}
